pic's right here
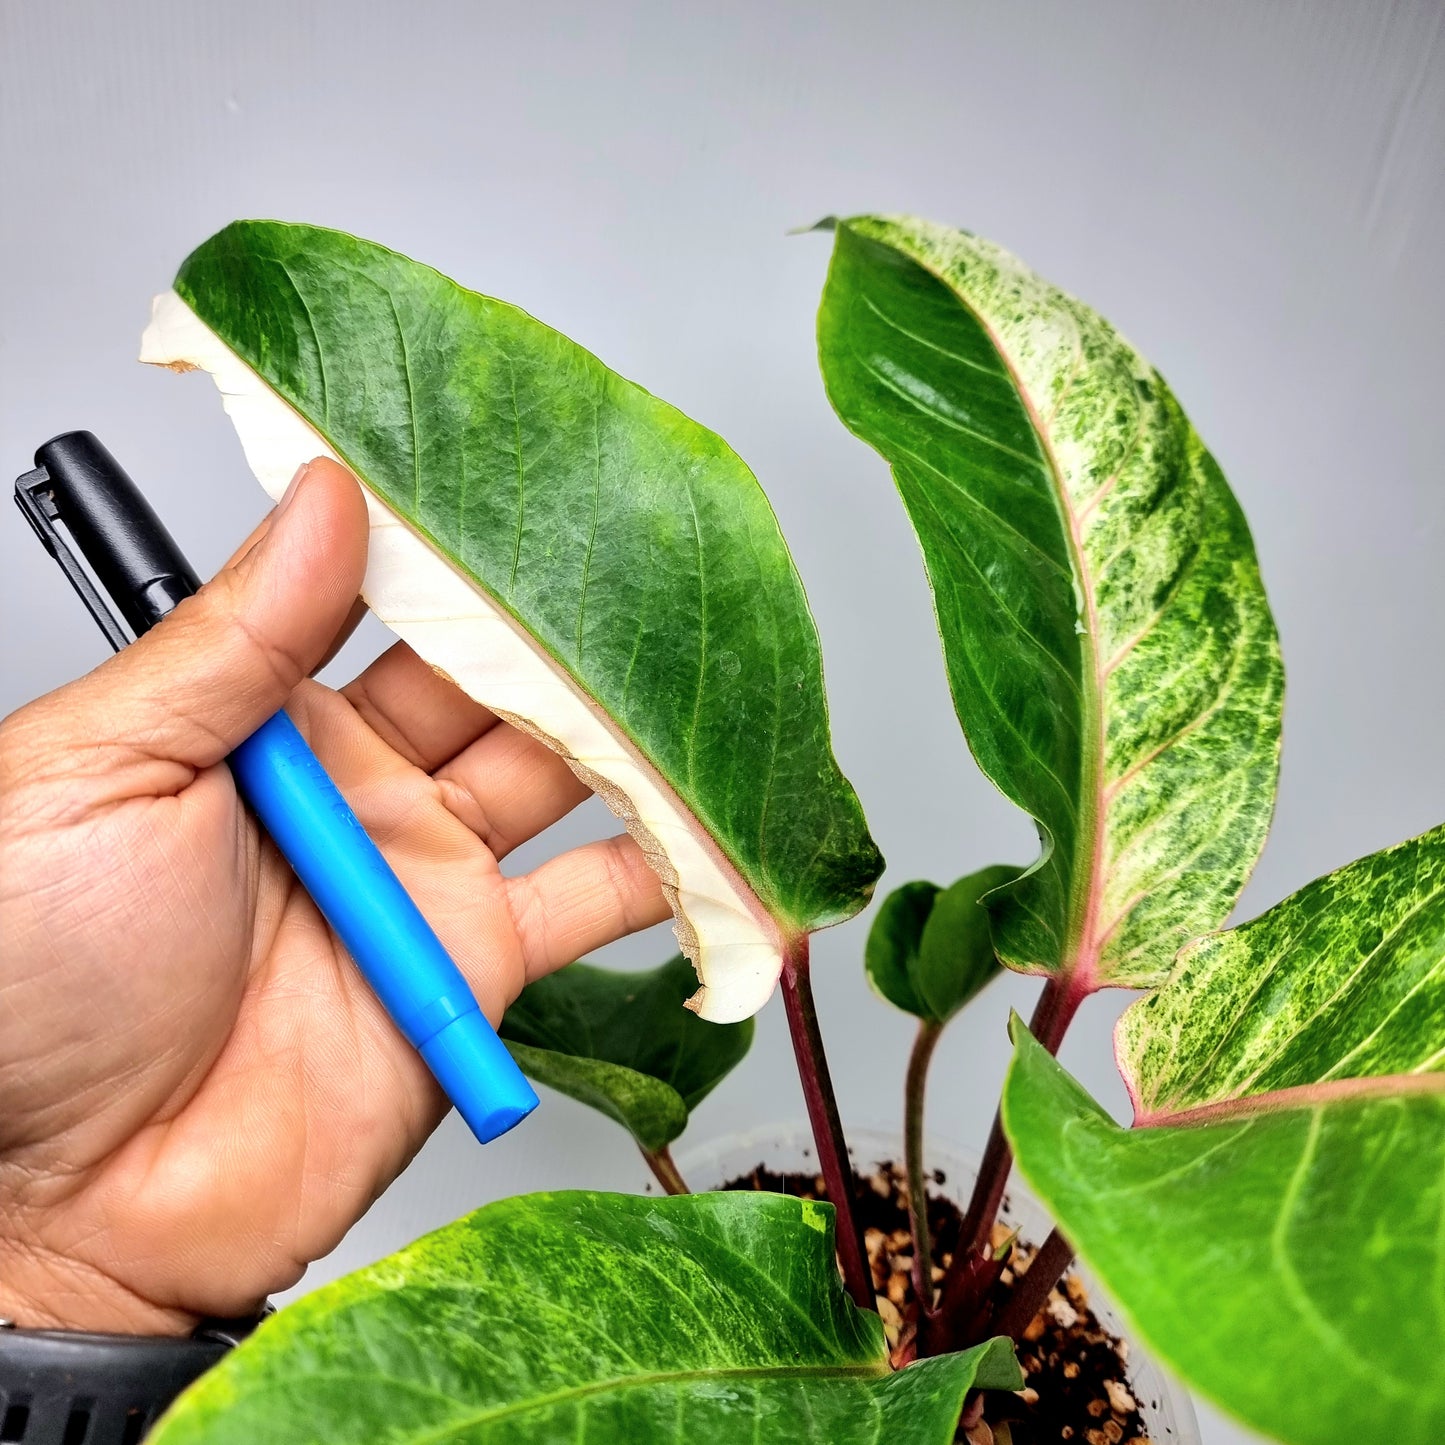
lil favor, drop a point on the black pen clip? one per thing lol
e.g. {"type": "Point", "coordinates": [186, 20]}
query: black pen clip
{"type": "Point", "coordinates": [35, 496]}
{"type": "Point", "coordinates": [77, 483]}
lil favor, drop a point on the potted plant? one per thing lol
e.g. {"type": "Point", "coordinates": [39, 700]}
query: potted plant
{"type": "Point", "coordinates": [602, 571]}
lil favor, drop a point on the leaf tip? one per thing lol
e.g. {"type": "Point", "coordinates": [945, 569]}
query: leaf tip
{"type": "Point", "coordinates": [828, 223]}
{"type": "Point", "coordinates": [998, 1366]}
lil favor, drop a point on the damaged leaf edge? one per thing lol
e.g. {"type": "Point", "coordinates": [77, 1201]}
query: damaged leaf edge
{"type": "Point", "coordinates": [733, 942]}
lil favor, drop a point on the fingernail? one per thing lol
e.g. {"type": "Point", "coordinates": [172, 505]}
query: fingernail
{"type": "Point", "coordinates": [293, 486]}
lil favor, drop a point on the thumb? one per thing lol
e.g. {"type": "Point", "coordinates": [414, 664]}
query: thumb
{"type": "Point", "coordinates": [206, 677]}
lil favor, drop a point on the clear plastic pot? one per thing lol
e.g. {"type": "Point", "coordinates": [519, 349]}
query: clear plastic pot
{"type": "Point", "coordinates": [788, 1148]}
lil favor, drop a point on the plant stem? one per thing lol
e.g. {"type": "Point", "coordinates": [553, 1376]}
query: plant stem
{"type": "Point", "coordinates": [957, 1302]}
{"type": "Point", "coordinates": [823, 1116]}
{"type": "Point", "coordinates": [1031, 1293]}
{"type": "Point", "coordinates": [664, 1170]}
{"type": "Point", "coordinates": [988, 1188]}
{"type": "Point", "coordinates": [1052, 1015]}
{"type": "Point", "coordinates": [929, 1031]}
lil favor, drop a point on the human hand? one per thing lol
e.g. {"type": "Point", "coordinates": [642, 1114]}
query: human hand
{"type": "Point", "coordinates": [198, 1092]}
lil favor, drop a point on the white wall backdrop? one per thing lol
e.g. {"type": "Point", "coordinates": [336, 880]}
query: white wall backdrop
{"type": "Point", "coordinates": [1254, 192]}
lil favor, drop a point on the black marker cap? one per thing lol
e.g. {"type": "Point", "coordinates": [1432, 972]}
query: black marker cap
{"type": "Point", "coordinates": [117, 531]}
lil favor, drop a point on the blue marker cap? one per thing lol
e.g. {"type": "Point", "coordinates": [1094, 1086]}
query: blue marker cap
{"type": "Point", "coordinates": [472, 1064]}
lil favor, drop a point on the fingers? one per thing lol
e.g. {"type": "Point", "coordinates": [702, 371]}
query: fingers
{"type": "Point", "coordinates": [415, 710]}
{"type": "Point", "coordinates": [208, 675]}
{"type": "Point", "coordinates": [507, 787]}
{"type": "Point", "coordinates": [582, 900]}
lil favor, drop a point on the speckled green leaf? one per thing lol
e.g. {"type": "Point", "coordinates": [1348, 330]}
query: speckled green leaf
{"type": "Point", "coordinates": [625, 549]}
{"type": "Point", "coordinates": [1287, 1263]}
{"type": "Point", "coordinates": [1345, 980]}
{"type": "Point", "coordinates": [929, 950]}
{"type": "Point", "coordinates": [623, 1043]}
{"type": "Point", "coordinates": [1108, 643]}
{"type": "Point", "coordinates": [589, 1317]}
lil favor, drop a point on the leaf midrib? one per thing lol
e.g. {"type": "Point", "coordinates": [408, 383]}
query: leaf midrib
{"type": "Point", "coordinates": [1301, 1096]}
{"type": "Point", "coordinates": [1079, 965]}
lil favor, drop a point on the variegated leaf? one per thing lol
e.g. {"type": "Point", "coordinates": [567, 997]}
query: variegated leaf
{"type": "Point", "coordinates": [576, 554]}
{"type": "Point", "coordinates": [561, 1319]}
{"type": "Point", "coordinates": [1286, 1262]}
{"type": "Point", "coordinates": [1289, 1184]}
{"type": "Point", "coordinates": [1338, 990]}
{"type": "Point", "coordinates": [1109, 646]}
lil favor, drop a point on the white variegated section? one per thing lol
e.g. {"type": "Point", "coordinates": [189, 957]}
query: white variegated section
{"type": "Point", "coordinates": [734, 944]}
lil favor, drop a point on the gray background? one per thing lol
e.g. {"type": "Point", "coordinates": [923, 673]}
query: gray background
{"type": "Point", "coordinates": [1254, 192]}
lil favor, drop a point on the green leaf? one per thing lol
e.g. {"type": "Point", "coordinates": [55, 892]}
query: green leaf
{"type": "Point", "coordinates": [578, 555]}
{"type": "Point", "coordinates": [890, 957]}
{"type": "Point", "coordinates": [1287, 1263]}
{"type": "Point", "coordinates": [956, 957]}
{"type": "Point", "coordinates": [929, 951]}
{"type": "Point", "coordinates": [1344, 981]}
{"type": "Point", "coordinates": [651, 1111]}
{"type": "Point", "coordinates": [625, 1044]}
{"type": "Point", "coordinates": [1108, 643]}
{"type": "Point", "coordinates": [563, 1317]}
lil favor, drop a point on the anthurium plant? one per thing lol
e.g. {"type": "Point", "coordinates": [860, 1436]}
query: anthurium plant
{"type": "Point", "coordinates": [607, 574]}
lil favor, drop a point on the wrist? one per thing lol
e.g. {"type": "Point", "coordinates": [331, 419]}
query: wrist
{"type": "Point", "coordinates": [42, 1289]}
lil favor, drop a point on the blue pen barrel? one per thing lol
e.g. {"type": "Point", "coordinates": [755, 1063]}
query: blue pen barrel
{"type": "Point", "coordinates": [383, 930]}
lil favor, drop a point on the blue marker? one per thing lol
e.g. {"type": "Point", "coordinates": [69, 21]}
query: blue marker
{"type": "Point", "coordinates": [78, 482]}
